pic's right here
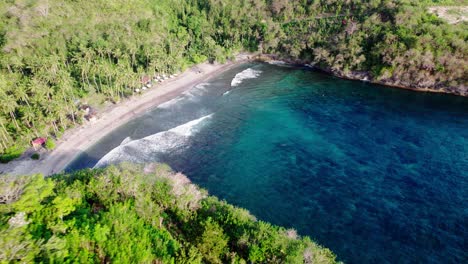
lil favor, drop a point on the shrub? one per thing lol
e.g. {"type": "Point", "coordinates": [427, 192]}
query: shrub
{"type": "Point", "coordinates": [213, 242]}
{"type": "Point", "coordinates": [11, 153]}
{"type": "Point", "coordinates": [35, 156]}
{"type": "Point", "coordinates": [50, 144]}
{"type": "Point", "coordinates": [126, 215]}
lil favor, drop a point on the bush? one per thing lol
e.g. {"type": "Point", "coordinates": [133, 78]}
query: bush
{"type": "Point", "coordinates": [11, 153]}
{"type": "Point", "coordinates": [130, 214]}
{"type": "Point", "coordinates": [50, 144]}
{"type": "Point", "coordinates": [35, 156]}
{"type": "Point", "coordinates": [213, 242]}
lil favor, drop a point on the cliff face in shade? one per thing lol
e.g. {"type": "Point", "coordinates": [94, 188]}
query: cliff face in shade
{"type": "Point", "coordinates": [422, 86]}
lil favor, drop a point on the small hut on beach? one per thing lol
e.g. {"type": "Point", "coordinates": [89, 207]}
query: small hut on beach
{"type": "Point", "coordinates": [38, 142]}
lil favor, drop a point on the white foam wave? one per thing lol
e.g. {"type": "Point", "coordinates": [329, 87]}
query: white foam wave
{"type": "Point", "coordinates": [171, 102]}
{"type": "Point", "coordinates": [245, 74]}
{"type": "Point", "coordinates": [190, 94]}
{"type": "Point", "coordinates": [197, 90]}
{"type": "Point", "coordinates": [277, 62]}
{"type": "Point", "coordinates": [126, 140]}
{"type": "Point", "coordinates": [280, 63]}
{"type": "Point", "coordinates": [226, 93]}
{"type": "Point", "coordinates": [190, 127]}
{"type": "Point", "coordinates": [147, 149]}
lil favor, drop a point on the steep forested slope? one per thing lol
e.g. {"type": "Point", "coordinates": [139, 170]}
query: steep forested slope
{"type": "Point", "coordinates": [394, 42]}
{"type": "Point", "coordinates": [134, 214]}
{"type": "Point", "coordinates": [56, 54]}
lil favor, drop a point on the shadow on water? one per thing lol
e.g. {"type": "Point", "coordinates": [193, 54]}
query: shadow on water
{"type": "Point", "coordinates": [82, 161]}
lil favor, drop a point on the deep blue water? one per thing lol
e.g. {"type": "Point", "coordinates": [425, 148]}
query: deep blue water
{"type": "Point", "coordinates": [378, 175]}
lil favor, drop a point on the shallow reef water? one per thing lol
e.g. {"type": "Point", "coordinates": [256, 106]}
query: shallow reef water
{"type": "Point", "coordinates": [377, 174]}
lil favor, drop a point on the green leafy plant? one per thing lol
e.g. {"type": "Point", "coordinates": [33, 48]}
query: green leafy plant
{"type": "Point", "coordinates": [11, 153]}
{"type": "Point", "coordinates": [134, 214]}
{"type": "Point", "coordinates": [50, 144]}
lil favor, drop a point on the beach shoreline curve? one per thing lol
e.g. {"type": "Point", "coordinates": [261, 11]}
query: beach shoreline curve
{"type": "Point", "coordinates": [76, 140]}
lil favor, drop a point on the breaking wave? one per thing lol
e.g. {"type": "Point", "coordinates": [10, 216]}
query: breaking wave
{"type": "Point", "coordinates": [280, 63]}
{"type": "Point", "coordinates": [276, 62]}
{"type": "Point", "coordinates": [245, 74]}
{"type": "Point", "coordinates": [147, 149]}
{"type": "Point", "coordinates": [171, 102]}
{"type": "Point", "coordinates": [125, 141]}
{"type": "Point", "coordinates": [198, 90]}
{"type": "Point", "coordinates": [190, 94]}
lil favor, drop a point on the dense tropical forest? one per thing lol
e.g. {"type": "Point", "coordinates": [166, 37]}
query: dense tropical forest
{"type": "Point", "coordinates": [136, 214]}
{"type": "Point", "coordinates": [56, 55]}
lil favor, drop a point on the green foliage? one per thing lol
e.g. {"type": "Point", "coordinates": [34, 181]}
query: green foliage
{"type": "Point", "coordinates": [33, 194]}
{"type": "Point", "coordinates": [17, 244]}
{"type": "Point", "coordinates": [445, 2]}
{"type": "Point", "coordinates": [99, 51]}
{"type": "Point", "coordinates": [11, 153]}
{"type": "Point", "coordinates": [35, 156]}
{"type": "Point", "coordinates": [350, 38]}
{"type": "Point", "coordinates": [70, 218]}
{"type": "Point", "coordinates": [50, 144]}
{"type": "Point", "coordinates": [213, 242]}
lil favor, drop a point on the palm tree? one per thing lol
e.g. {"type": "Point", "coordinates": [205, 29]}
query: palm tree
{"type": "Point", "coordinates": [65, 84]}
{"type": "Point", "coordinates": [4, 132]}
{"type": "Point", "coordinates": [21, 94]}
{"type": "Point", "coordinates": [29, 116]}
{"type": "Point", "coordinates": [85, 64]}
{"type": "Point", "coordinates": [9, 107]}
{"type": "Point", "coordinates": [51, 120]}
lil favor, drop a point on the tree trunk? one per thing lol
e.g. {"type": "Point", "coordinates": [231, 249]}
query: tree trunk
{"type": "Point", "coordinates": [55, 127]}
{"type": "Point", "coordinates": [14, 120]}
{"type": "Point", "coordinates": [4, 134]}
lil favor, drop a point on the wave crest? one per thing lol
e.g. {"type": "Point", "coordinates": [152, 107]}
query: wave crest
{"type": "Point", "coordinates": [189, 95]}
{"type": "Point", "coordinates": [245, 74]}
{"type": "Point", "coordinates": [126, 140]}
{"type": "Point", "coordinates": [276, 62]}
{"type": "Point", "coordinates": [147, 149]}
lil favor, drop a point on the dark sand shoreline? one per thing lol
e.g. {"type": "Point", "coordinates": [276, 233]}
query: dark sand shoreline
{"type": "Point", "coordinates": [76, 140]}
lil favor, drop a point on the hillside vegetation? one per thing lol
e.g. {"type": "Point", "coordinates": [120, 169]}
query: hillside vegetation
{"type": "Point", "coordinates": [451, 14]}
{"type": "Point", "coordinates": [135, 214]}
{"type": "Point", "coordinates": [58, 54]}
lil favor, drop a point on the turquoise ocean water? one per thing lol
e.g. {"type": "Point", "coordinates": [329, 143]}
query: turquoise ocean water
{"type": "Point", "coordinates": [378, 175]}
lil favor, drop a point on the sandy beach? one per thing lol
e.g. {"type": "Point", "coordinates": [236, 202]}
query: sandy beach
{"type": "Point", "coordinates": [78, 139]}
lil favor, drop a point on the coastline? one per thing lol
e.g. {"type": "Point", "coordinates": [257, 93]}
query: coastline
{"type": "Point", "coordinates": [357, 76]}
{"type": "Point", "coordinates": [78, 139]}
